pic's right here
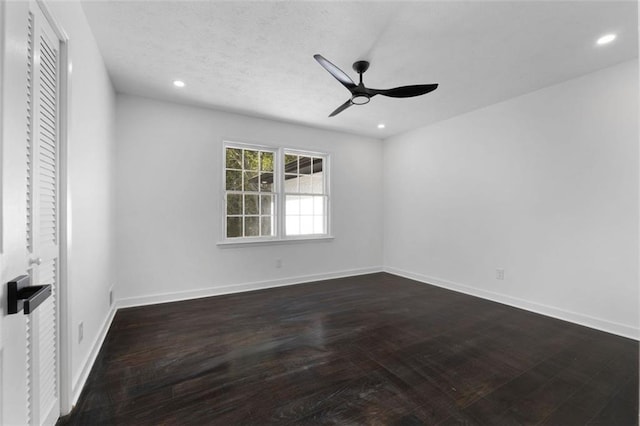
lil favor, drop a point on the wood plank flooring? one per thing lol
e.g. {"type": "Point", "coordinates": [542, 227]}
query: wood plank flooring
{"type": "Point", "coordinates": [368, 350]}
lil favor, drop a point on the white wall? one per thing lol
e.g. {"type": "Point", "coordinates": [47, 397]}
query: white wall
{"type": "Point", "coordinates": [169, 200]}
{"type": "Point", "coordinates": [544, 185]}
{"type": "Point", "coordinates": [90, 157]}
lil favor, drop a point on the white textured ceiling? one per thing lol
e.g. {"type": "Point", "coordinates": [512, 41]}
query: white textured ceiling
{"type": "Point", "coordinates": [257, 57]}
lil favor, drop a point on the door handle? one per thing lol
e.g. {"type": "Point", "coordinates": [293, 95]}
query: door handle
{"type": "Point", "coordinates": [21, 295]}
{"type": "Point", "coordinates": [35, 261]}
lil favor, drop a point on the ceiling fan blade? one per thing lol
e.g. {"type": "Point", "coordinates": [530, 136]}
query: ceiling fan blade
{"type": "Point", "coordinates": [340, 75]}
{"type": "Point", "coordinates": [405, 91]}
{"type": "Point", "coordinates": [341, 108]}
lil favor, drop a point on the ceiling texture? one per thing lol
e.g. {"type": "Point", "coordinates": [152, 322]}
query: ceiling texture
{"type": "Point", "coordinates": [256, 58]}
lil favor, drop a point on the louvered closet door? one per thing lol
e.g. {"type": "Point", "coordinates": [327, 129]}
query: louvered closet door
{"type": "Point", "coordinates": [42, 217]}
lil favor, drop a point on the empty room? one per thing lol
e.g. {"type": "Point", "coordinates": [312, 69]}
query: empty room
{"type": "Point", "coordinates": [319, 212]}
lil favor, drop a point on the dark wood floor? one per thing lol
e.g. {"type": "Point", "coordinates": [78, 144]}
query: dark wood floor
{"type": "Point", "coordinates": [368, 350]}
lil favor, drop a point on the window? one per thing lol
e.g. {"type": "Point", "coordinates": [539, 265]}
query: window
{"type": "Point", "coordinates": [274, 194]}
{"type": "Point", "coordinates": [250, 193]}
{"type": "Point", "coordinates": [305, 198]}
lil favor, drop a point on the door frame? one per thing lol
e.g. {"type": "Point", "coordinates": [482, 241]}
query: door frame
{"type": "Point", "coordinates": [2, 118]}
{"type": "Point", "coordinates": [64, 294]}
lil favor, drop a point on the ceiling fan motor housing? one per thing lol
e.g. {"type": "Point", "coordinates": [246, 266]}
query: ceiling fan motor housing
{"type": "Point", "coordinates": [360, 66]}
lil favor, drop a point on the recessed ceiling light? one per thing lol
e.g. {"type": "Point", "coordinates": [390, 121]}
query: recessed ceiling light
{"type": "Point", "coordinates": [606, 39]}
{"type": "Point", "coordinates": [178, 83]}
{"type": "Point", "coordinates": [381, 126]}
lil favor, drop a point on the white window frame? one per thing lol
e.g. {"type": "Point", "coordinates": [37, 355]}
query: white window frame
{"type": "Point", "coordinates": [279, 195]}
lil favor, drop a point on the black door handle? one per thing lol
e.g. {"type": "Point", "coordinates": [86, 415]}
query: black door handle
{"type": "Point", "coordinates": [22, 295]}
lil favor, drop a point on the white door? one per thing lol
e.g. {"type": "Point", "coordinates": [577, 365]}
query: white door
{"type": "Point", "coordinates": [30, 214]}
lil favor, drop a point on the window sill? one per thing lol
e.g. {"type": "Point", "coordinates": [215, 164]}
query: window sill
{"type": "Point", "coordinates": [294, 240]}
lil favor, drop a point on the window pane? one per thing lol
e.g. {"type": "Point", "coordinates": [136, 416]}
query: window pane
{"type": "Point", "coordinates": [318, 206]}
{"type": "Point", "coordinates": [234, 227]}
{"type": "Point", "coordinates": [292, 206]}
{"type": "Point", "coordinates": [252, 226]}
{"type": "Point", "coordinates": [306, 205]}
{"type": "Point", "coordinates": [318, 225]}
{"type": "Point", "coordinates": [305, 165]}
{"type": "Point", "coordinates": [234, 180]}
{"type": "Point", "coordinates": [290, 163]}
{"type": "Point", "coordinates": [292, 225]}
{"type": "Point", "coordinates": [234, 204]}
{"type": "Point", "coordinates": [266, 161]}
{"type": "Point", "coordinates": [290, 183]}
{"type": "Point", "coordinates": [266, 182]}
{"type": "Point", "coordinates": [251, 204]}
{"type": "Point", "coordinates": [266, 226]}
{"type": "Point", "coordinates": [233, 158]}
{"type": "Point", "coordinates": [317, 165]}
{"type": "Point", "coordinates": [250, 159]}
{"type": "Point", "coordinates": [317, 183]}
{"type": "Point", "coordinates": [306, 185]}
{"type": "Point", "coordinates": [266, 206]}
{"type": "Point", "coordinates": [306, 225]}
{"type": "Point", "coordinates": [251, 181]}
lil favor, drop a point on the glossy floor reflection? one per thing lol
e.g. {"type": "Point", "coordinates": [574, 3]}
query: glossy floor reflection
{"type": "Point", "coordinates": [367, 350]}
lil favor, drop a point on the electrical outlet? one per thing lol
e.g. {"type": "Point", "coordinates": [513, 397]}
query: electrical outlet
{"type": "Point", "coordinates": [499, 274]}
{"type": "Point", "coordinates": [278, 263]}
{"type": "Point", "coordinates": [80, 332]}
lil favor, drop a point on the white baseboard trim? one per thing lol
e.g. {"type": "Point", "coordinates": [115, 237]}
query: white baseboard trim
{"type": "Point", "coordinates": [238, 288]}
{"type": "Point", "coordinates": [550, 311]}
{"type": "Point", "coordinates": [81, 379]}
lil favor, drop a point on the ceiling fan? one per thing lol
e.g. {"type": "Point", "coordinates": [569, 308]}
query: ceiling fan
{"type": "Point", "coordinates": [360, 94]}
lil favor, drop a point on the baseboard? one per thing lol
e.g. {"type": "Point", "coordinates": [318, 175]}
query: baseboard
{"type": "Point", "coordinates": [238, 288]}
{"type": "Point", "coordinates": [550, 311]}
{"type": "Point", "coordinates": [81, 379]}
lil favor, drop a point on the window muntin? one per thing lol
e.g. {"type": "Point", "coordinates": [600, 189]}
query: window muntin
{"type": "Point", "coordinates": [274, 193]}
